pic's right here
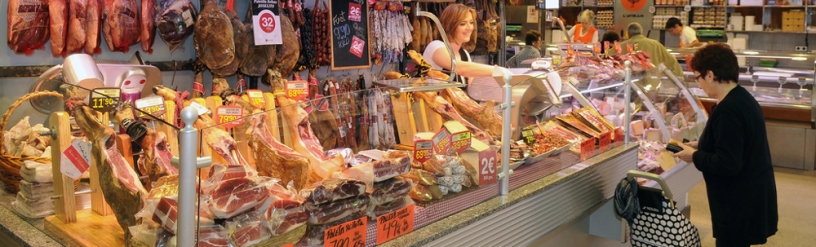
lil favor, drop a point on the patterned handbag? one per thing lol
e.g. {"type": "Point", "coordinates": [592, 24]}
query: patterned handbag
{"type": "Point", "coordinates": [653, 219]}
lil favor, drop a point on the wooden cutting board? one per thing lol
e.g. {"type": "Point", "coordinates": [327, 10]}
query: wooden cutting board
{"type": "Point", "coordinates": [91, 229]}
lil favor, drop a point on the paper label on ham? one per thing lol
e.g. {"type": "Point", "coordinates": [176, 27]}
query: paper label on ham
{"type": "Point", "coordinates": [76, 159]}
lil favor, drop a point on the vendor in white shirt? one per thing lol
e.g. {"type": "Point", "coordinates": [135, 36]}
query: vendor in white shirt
{"type": "Point", "coordinates": [688, 36]}
{"type": "Point", "coordinates": [459, 23]}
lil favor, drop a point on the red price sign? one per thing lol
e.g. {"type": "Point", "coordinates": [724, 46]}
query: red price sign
{"type": "Point", "coordinates": [229, 116]}
{"type": "Point", "coordinates": [597, 48]}
{"type": "Point", "coordinates": [423, 151]}
{"type": "Point", "coordinates": [355, 12]}
{"type": "Point", "coordinates": [619, 137]}
{"type": "Point", "coordinates": [618, 47]}
{"type": "Point", "coordinates": [395, 224]}
{"type": "Point", "coordinates": [152, 105]}
{"type": "Point", "coordinates": [605, 141]}
{"type": "Point", "coordinates": [587, 148]}
{"type": "Point", "coordinates": [461, 141]}
{"type": "Point", "coordinates": [351, 233]}
{"type": "Point", "coordinates": [487, 167]}
{"type": "Point", "coordinates": [442, 142]}
{"type": "Point", "coordinates": [256, 98]}
{"type": "Point", "coordinates": [297, 90]}
{"type": "Point", "coordinates": [267, 22]}
{"type": "Point", "coordinates": [357, 46]}
{"type": "Point", "coordinates": [75, 159]}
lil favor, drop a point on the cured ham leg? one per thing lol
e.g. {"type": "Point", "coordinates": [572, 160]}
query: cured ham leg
{"type": "Point", "coordinates": [444, 108]}
{"type": "Point", "coordinates": [93, 22]}
{"type": "Point", "coordinates": [120, 184]}
{"type": "Point", "coordinates": [306, 143]}
{"type": "Point", "coordinates": [484, 115]}
{"type": "Point", "coordinates": [77, 21]}
{"type": "Point", "coordinates": [155, 163]}
{"type": "Point", "coordinates": [275, 159]}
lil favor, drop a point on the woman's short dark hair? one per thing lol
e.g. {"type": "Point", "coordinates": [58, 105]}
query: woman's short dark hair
{"type": "Point", "coordinates": [532, 36]}
{"type": "Point", "coordinates": [719, 59]}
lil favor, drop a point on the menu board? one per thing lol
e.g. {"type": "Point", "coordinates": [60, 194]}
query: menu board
{"type": "Point", "coordinates": [349, 34]}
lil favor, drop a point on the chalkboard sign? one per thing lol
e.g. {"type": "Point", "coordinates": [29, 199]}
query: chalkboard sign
{"type": "Point", "coordinates": [349, 34]}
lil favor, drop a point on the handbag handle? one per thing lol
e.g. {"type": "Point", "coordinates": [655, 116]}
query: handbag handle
{"type": "Point", "coordinates": [655, 177]}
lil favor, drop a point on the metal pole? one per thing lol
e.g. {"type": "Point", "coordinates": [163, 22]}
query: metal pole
{"type": "Point", "coordinates": [503, 38]}
{"type": "Point", "coordinates": [626, 99]}
{"type": "Point", "coordinates": [188, 139]}
{"type": "Point", "coordinates": [508, 104]}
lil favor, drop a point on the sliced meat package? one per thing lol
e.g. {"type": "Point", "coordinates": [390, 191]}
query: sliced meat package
{"type": "Point", "coordinates": [386, 169]}
{"type": "Point", "coordinates": [235, 196]}
{"type": "Point", "coordinates": [390, 190]}
{"type": "Point", "coordinates": [283, 210]}
{"type": "Point", "coordinates": [58, 14]}
{"type": "Point", "coordinates": [332, 189]}
{"type": "Point", "coordinates": [213, 236]}
{"type": "Point", "coordinates": [327, 213]}
{"type": "Point", "coordinates": [27, 28]}
{"type": "Point", "coordinates": [120, 25]}
{"type": "Point", "coordinates": [77, 25]}
{"type": "Point", "coordinates": [401, 202]}
{"type": "Point", "coordinates": [248, 229]}
{"type": "Point", "coordinates": [175, 21]}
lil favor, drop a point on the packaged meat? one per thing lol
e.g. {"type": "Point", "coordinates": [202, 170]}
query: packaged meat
{"type": "Point", "coordinates": [175, 21]}
{"type": "Point", "coordinates": [360, 159]}
{"type": "Point", "coordinates": [148, 25]}
{"type": "Point", "coordinates": [93, 24]}
{"type": "Point", "coordinates": [213, 236]}
{"type": "Point", "coordinates": [315, 233]}
{"type": "Point", "coordinates": [386, 169]}
{"type": "Point", "coordinates": [554, 128]}
{"type": "Point", "coordinates": [27, 28]}
{"type": "Point", "coordinates": [421, 193]}
{"type": "Point", "coordinates": [435, 165]}
{"type": "Point", "coordinates": [348, 155]}
{"type": "Point", "coordinates": [363, 172]}
{"type": "Point", "coordinates": [436, 192]}
{"type": "Point", "coordinates": [447, 181]}
{"type": "Point", "coordinates": [332, 189]}
{"type": "Point", "coordinates": [165, 213]}
{"type": "Point", "coordinates": [336, 210]}
{"type": "Point", "coordinates": [394, 154]}
{"type": "Point", "coordinates": [444, 190]}
{"type": "Point", "coordinates": [75, 41]}
{"type": "Point", "coordinates": [388, 207]}
{"type": "Point", "coordinates": [33, 208]}
{"type": "Point", "coordinates": [120, 25]}
{"type": "Point", "coordinates": [248, 229]}
{"type": "Point", "coordinates": [58, 15]}
{"type": "Point", "coordinates": [235, 196]}
{"type": "Point", "coordinates": [576, 124]}
{"type": "Point", "coordinates": [36, 190]}
{"type": "Point", "coordinates": [144, 233]}
{"type": "Point", "coordinates": [422, 177]}
{"type": "Point", "coordinates": [390, 190]}
{"type": "Point", "coordinates": [468, 181]}
{"type": "Point", "coordinates": [592, 119]}
{"type": "Point", "coordinates": [36, 172]}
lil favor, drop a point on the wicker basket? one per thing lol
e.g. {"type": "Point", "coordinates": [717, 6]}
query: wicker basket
{"type": "Point", "coordinates": [10, 165]}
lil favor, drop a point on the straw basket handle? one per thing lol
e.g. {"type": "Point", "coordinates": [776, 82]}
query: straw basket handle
{"type": "Point", "coordinates": [7, 115]}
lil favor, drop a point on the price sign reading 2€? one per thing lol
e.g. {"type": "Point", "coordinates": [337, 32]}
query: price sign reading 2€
{"type": "Point", "coordinates": [349, 234]}
{"type": "Point", "coordinates": [487, 167]}
{"type": "Point", "coordinates": [395, 224]}
{"type": "Point", "coordinates": [229, 116]}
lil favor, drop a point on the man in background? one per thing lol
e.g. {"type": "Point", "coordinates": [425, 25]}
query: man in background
{"type": "Point", "coordinates": [688, 36]}
{"type": "Point", "coordinates": [653, 47]}
{"type": "Point", "coordinates": [530, 51]}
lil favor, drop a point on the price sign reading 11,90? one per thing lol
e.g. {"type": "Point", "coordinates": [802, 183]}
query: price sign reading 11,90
{"type": "Point", "coordinates": [104, 99]}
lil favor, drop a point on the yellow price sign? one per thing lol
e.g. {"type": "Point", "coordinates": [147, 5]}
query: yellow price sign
{"type": "Point", "coordinates": [256, 98]}
{"type": "Point", "coordinates": [151, 105]}
{"type": "Point", "coordinates": [104, 99]}
{"type": "Point", "coordinates": [461, 141]}
{"type": "Point", "coordinates": [297, 89]}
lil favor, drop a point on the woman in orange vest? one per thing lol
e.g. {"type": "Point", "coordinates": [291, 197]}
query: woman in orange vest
{"type": "Point", "coordinates": [584, 31]}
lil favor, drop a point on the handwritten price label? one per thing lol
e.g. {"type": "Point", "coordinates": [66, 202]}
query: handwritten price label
{"type": "Point", "coordinates": [256, 98]}
{"type": "Point", "coordinates": [229, 116]}
{"type": "Point", "coordinates": [297, 90]}
{"type": "Point", "coordinates": [423, 151]}
{"type": "Point", "coordinates": [487, 167]}
{"type": "Point", "coordinates": [604, 141]}
{"type": "Point", "coordinates": [76, 159]}
{"type": "Point", "coordinates": [349, 234]}
{"type": "Point", "coordinates": [152, 105]}
{"type": "Point", "coordinates": [587, 148]}
{"type": "Point", "coordinates": [442, 142]}
{"type": "Point", "coordinates": [461, 141]}
{"type": "Point", "coordinates": [395, 224]}
{"type": "Point", "coordinates": [104, 99]}
{"type": "Point", "coordinates": [528, 137]}
{"type": "Point", "coordinates": [619, 137]}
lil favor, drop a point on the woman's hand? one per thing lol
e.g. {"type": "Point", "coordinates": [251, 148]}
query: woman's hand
{"type": "Point", "coordinates": [687, 154]}
{"type": "Point", "coordinates": [691, 144]}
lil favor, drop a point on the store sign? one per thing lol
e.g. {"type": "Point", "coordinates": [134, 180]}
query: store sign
{"type": "Point", "coordinates": [395, 224]}
{"type": "Point", "coordinates": [487, 167]}
{"type": "Point", "coordinates": [587, 148]}
{"type": "Point", "coordinates": [297, 90]}
{"type": "Point", "coordinates": [266, 22]}
{"type": "Point", "coordinates": [229, 116]}
{"type": "Point", "coordinates": [605, 141]}
{"type": "Point", "coordinates": [76, 159]}
{"type": "Point", "coordinates": [349, 234]}
{"type": "Point", "coordinates": [629, 11]}
{"type": "Point", "coordinates": [105, 99]}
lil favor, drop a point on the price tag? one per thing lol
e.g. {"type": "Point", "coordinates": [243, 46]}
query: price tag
{"type": "Point", "coordinates": [587, 148]}
{"type": "Point", "coordinates": [461, 141]}
{"type": "Point", "coordinates": [288, 245]}
{"type": "Point", "coordinates": [618, 47]}
{"type": "Point", "coordinates": [104, 99]}
{"type": "Point", "coordinates": [597, 48]}
{"type": "Point", "coordinates": [528, 136]}
{"type": "Point", "coordinates": [629, 48]}
{"type": "Point", "coordinates": [442, 141]}
{"type": "Point", "coordinates": [604, 141]}
{"type": "Point", "coordinates": [395, 224]}
{"type": "Point", "coordinates": [351, 233]}
{"type": "Point", "coordinates": [297, 90]}
{"type": "Point", "coordinates": [76, 159]}
{"type": "Point", "coordinates": [229, 116]}
{"type": "Point", "coordinates": [199, 108]}
{"type": "Point", "coordinates": [607, 46]}
{"type": "Point", "coordinates": [153, 105]}
{"type": "Point", "coordinates": [256, 98]}
{"type": "Point", "coordinates": [619, 137]}
{"type": "Point", "coordinates": [423, 151]}
{"type": "Point", "coordinates": [266, 23]}
{"type": "Point", "coordinates": [487, 167]}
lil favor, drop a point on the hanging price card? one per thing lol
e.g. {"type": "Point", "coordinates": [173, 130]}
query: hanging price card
{"type": "Point", "coordinates": [596, 47]}
{"type": "Point", "coordinates": [395, 224]}
{"type": "Point", "coordinates": [605, 141]}
{"type": "Point", "coordinates": [587, 148]}
{"type": "Point", "coordinates": [423, 151]}
{"type": "Point", "coordinates": [487, 167]}
{"type": "Point", "coordinates": [619, 137]}
{"type": "Point", "coordinates": [528, 137]}
{"type": "Point", "coordinates": [256, 98]}
{"type": "Point", "coordinates": [152, 105]}
{"type": "Point", "coordinates": [349, 234]}
{"type": "Point", "coordinates": [618, 47]}
{"type": "Point", "coordinates": [76, 159]}
{"type": "Point", "coordinates": [229, 116]}
{"type": "Point", "coordinates": [442, 141]}
{"type": "Point", "coordinates": [461, 141]}
{"type": "Point", "coordinates": [629, 48]}
{"type": "Point", "coordinates": [104, 99]}
{"type": "Point", "coordinates": [297, 90]}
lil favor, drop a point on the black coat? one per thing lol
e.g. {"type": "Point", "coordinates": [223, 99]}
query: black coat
{"type": "Point", "coordinates": [735, 161]}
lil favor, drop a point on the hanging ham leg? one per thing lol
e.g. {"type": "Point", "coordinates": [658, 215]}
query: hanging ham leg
{"type": "Point", "coordinates": [148, 25]}
{"type": "Point", "coordinates": [58, 13]}
{"type": "Point", "coordinates": [484, 115]}
{"type": "Point", "coordinates": [305, 141]}
{"type": "Point", "coordinates": [120, 184]}
{"type": "Point", "coordinates": [275, 159]}
{"type": "Point", "coordinates": [155, 163]}
{"type": "Point", "coordinates": [77, 21]}
{"type": "Point", "coordinates": [441, 106]}
{"type": "Point", "coordinates": [121, 25]}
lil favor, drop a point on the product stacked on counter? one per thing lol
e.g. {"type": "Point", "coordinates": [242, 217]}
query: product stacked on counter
{"type": "Point", "coordinates": [605, 18]}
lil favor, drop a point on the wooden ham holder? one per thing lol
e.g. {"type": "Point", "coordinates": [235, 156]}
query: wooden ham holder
{"type": "Point", "coordinates": [91, 227]}
{"type": "Point", "coordinates": [413, 116]}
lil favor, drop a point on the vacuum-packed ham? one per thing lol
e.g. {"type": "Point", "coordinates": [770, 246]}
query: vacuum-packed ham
{"type": "Point", "coordinates": [235, 196]}
{"type": "Point", "coordinates": [121, 25]}
{"type": "Point", "coordinates": [332, 189]}
{"type": "Point", "coordinates": [327, 213]}
{"type": "Point", "coordinates": [77, 14]}
{"type": "Point", "coordinates": [27, 28]}
{"type": "Point", "coordinates": [58, 14]}
{"type": "Point", "coordinates": [390, 190]}
{"type": "Point", "coordinates": [148, 25]}
{"type": "Point", "coordinates": [175, 21]}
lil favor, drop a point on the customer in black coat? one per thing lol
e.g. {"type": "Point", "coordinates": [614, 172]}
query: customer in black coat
{"type": "Point", "coordinates": [733, 154]}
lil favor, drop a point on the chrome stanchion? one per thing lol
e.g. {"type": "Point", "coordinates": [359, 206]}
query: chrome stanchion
{"type": "Point", "coordinates": [626, 101]}
{"type": "Point", "coordinates": [187, 164]}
